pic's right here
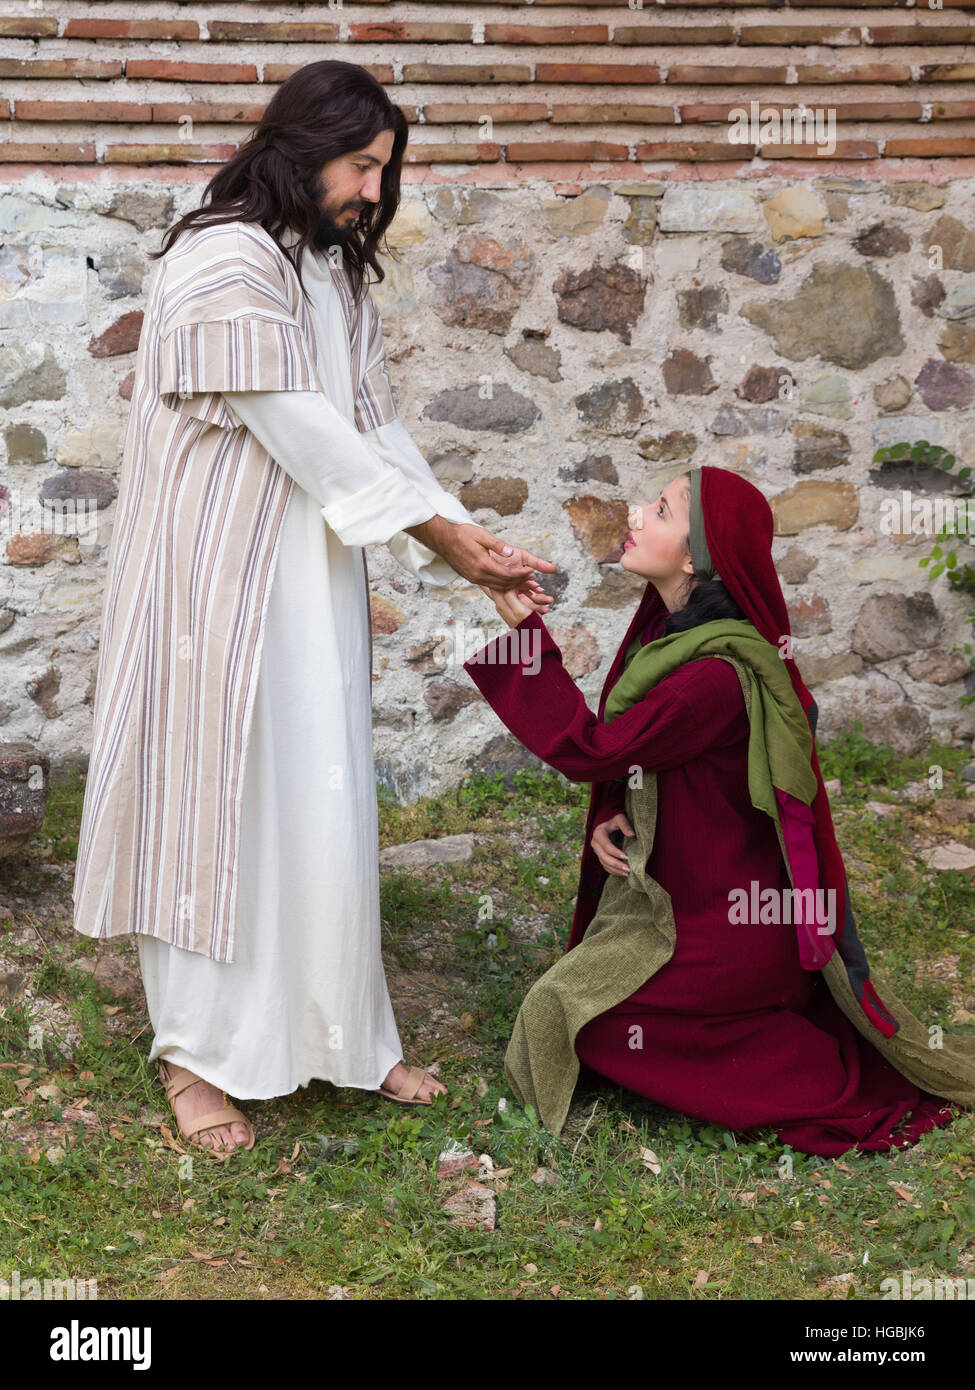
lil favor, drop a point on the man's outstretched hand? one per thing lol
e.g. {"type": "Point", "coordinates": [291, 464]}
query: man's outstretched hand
{"type": "Point", "coordinates": [479, 556]}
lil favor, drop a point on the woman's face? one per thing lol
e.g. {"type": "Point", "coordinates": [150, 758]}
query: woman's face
{"type": "Point", "coordinates": [656, 544]}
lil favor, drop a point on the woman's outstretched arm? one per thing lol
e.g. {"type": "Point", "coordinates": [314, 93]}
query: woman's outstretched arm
{"type": "Point", "coordinates": [521, 675]}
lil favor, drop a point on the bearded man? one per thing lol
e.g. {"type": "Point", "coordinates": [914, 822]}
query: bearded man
{"type": "Point", "coordinates": [230, 816]}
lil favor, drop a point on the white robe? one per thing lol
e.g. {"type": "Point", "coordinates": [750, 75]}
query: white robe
{"type": "Point", "coordinates": [306, 996]}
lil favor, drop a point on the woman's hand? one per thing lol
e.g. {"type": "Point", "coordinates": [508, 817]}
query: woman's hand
{"type": "Point", "coordinates": [613, 860]}
{"type": "Point", "coordinates": [515, 605]}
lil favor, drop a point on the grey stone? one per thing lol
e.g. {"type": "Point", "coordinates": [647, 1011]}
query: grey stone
{"type": "Point", "coordinates": [612, 405]}
{"type": "Point", "coordinates": [957, 243]}
{"type": "Point", "coordinates": [944, 385]}
{"type": "Point", "coordinates": [89, 485]}
{"type": "Point", "coordinates": [143, 210]}
{"type": "Point", "coordinates": [31, 374]}
{"type": "Point", "coordinates": [502, 410]}
{"type": "Point", "coordinates": [25, 444]}
{"type": "Point", "coordinates": [808, 324]}
{"type": "Point", "coordinates": [818, 448]}
{"type": "Point", "coordinates": [120, 273]}
{"type": "Point", "coordinates": [751, 258]}
{"type": "Point", "coordinates": [40, 285]}
{"type": "Point", "coordinates": [732, 421]}
{"type": "Point", "coordinates": [675, 447]}
{"type": "Point", "coordinates": [452, 468]}
{"type": "Point", "coordinates": [464, 206]}
{"type": "Point", "coordinates": [880, 239]}
{"type": "Point", "coordinates": [691, 207]}
{"type": "Point", "coordinates": [699, 308]}
{"type": "Point", "coordinates": [890, 625]}
{"type": "Point", "coordinates": [424, 854]}
{"type": "Point", "coordinates": [927, 292]}
{"type": "Point", "coordinates": [536, 358]}
{"type": "Point", "coordinates": [958, 303]}
{"type": "Point", "coordinates": [593, 468]}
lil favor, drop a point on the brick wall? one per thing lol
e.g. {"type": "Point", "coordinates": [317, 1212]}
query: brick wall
{"type": "Point", "coordinates": [593, 287]}
{"type": "Point", "coordinates": [537, 88]}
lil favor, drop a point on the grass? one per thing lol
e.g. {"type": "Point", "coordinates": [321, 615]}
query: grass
{"type": "Point", "coordinates": [340, 1197]}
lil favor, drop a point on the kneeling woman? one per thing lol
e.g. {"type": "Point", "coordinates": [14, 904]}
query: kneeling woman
{"type": "Point", "coordinates": [714, 964]}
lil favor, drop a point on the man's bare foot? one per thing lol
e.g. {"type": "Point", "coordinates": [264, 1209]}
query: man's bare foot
{"type": "Point", "coordinates": [202, 1099]}
{"type": "Point", "coordinates": [429, 1086]}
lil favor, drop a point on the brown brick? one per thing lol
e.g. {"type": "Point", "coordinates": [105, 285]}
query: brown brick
{"type": "Point", "coordinates": [727, 74]}
{"type": "Point", "coordinates": [863, 72]}
{"type": "Point", "coordinates": [179, 152]}
{"type": "Point", "coordinates": [166, 70]}
{"type": "Point", "coordinates": [562, 151]}
{"type": "Point", "coordinates": [83, 111]}
{"type": "Point", "coordinates": [624, 113]}
{"type": "Point", "coordinates": [27, 27]}
{"type": "Point", "coordinates": [270, 31]}
{"type": "Point", "coordinates": [5, 109]}
{"type": "Point", "coordinates": [481, 153]}
{"type": "Point", "coordinates": [449, 113]}
{"type": "Point", "coordinates": [410, 32]}
{"type": "Point", "coordinates": [845, 149]}
{"type": "Point", "coordinates": [935, 147]}
{"type": "Point", "coordinates": [466, 72]}
{"type": "Point", "coordinates": [546, 33]}
{"type": "Point", "coordinates": [845, 110]}
{"type": "Point", "coordinates": [14, 152]}
{"type": "Point", "coordinates": [863, 4]}
{"type": "Point", "coordinates": [948, 72]}
{"type": "Point", "coordinates": [58, 67]}
{"type": "Point", "coordinates": [280, 72]}
{"type": "Point", "coordinates": [694, 150]}
{"type": "Point", "coordinates": [221, 111]}
{"type": "Point", "coordinates": [638, 73]}
{"type": "Point", "coordinates": [672, 33]}
{"type": "Point", "coordinates": [132, 29]}
{"type": "Point", "coordinates": [952, 110]}
{"type": "Point", "coordinates": [922, 33]}
{"type": "Point", "coordinates": [799, 34]}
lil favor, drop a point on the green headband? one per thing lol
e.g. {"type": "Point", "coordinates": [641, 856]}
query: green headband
{"type": "Point", "coordinates": [700, 555]}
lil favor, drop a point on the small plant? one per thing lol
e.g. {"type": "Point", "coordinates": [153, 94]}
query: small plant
{"type": "Point", "coordinates": [940, 560]}
{"type": "Point", "coordinates": [851, 758]}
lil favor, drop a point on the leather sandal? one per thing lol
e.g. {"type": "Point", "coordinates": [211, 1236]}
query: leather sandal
{"type": "Point", "coordinates": [406, 1095]}
{"type": "Point", "coordinates": [178, 1079]}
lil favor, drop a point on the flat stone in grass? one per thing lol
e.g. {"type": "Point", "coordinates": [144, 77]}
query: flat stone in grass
{"type": "Point", "coordinates": [422, 854]}
{"type": "Point", "coordinates": [473, 1207]}
{"type": "Point", "coordinates": [950, 856]}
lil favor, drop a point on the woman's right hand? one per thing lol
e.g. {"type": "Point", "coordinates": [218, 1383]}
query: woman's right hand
{"type": "Point", "coordinates": [613, 860]}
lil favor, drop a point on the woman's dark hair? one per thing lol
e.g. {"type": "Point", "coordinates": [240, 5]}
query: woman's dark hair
{"type": "Point", "coordinates": [322, 111]}
{"type": "Point", "coordinates": [707, 601]}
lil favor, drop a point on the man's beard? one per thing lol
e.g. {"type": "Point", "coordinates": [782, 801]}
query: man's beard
{"type": "Point", "coordinates": [328, 234]}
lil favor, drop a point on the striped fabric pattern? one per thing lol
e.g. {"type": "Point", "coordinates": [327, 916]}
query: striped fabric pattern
{"type": "Point", "coordinates": [197, 526]}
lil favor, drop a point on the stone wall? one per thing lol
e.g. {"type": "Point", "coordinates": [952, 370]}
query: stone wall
{"type": "Point", "coordinates": [597, 283]}
{"type": "Point", "coordinates": [558, 355]}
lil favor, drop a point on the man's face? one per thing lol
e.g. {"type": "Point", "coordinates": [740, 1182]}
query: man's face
{"type": "Point", "coordinates": [346, 185]}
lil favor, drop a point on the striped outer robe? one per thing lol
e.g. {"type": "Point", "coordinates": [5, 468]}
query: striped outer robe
{"type": "Point", "coordinates": [198, 520]}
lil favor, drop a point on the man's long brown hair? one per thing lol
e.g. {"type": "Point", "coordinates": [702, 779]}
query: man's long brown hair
{"type": "Point", "coordinates": [322, 111]}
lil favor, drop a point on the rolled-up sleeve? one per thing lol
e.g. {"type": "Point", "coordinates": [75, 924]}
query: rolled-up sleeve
{"type": "Point", "coordinates": [362, 498]}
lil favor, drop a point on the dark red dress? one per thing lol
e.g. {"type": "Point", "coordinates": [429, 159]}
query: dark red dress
{"type": "Point", "coordinates": [732, 1029]}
